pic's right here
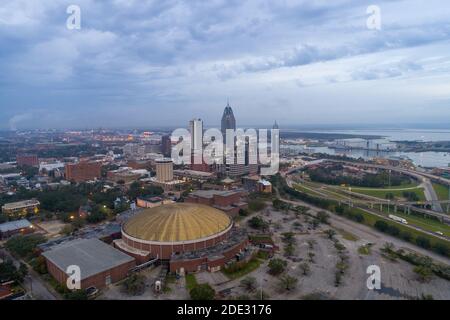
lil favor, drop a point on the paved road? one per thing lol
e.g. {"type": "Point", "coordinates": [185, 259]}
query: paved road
{"type": "Point", "coordinates": [371, 211]}
{"type": "Point", "coordinates": [37, 288]}
{"type": "Point", "coordinates": [431, 195]}
{"type": "Point", "coordinates": [33, 284]}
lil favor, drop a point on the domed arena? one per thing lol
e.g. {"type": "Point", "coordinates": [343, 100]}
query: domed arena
{"type": "Point", "coordinates": [188, 236]}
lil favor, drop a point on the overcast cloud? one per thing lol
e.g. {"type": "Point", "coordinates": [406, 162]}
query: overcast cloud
{"type": "Point", "coordinates": [159, 63]}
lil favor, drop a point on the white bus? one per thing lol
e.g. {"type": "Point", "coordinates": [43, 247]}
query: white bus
{"type": "Point", "coordinates": [398, 219]}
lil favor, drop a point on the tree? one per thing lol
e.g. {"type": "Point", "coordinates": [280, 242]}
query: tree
{"type": "Point", "coordinates": [24, 245]}
{"type": "Point", "coordinates": [330, 233]}
{"type": "Point", "coordinates": [39, 265]}
{"type": "Point", "coordinates": [311, 244]}
{"type": "Point", "coordinates": [96, 216]}
{"type": "Point", "coordinates": [277, 266]}
{"type": "Point", "coordinates": [388, 247]}
{"type": "Point", "coordinates": [305, 268]}
{"type": "Point", "coordinates": [76, 295]}
{"type": "Point", "coordinates": [134, 285]}
{"type": "Point", "coordinates": [381, 225]}
{"type": "Point", "coordinates": [311, 256]}
{"type": "Point", "coordinates": [442, 248]}
{"type": "Point", "coordinates": [288, 237]}
{"type": "Point", "coordinates": [202, 292]}
{"type": "Point", "coordinates": [288, 282]}
{"type": "Point", "coordinates": [243, 212]}
{"type": "Point", "coordinates": [258, 223]}
{"type": "Point", "coordinates": [323, 216]}
{"type": "Point", "coordinates": [249, 283]}
{"type": "Point", "coordinates": [67, 229]}
{"type": "Point", "coordinates": [423, 242]}
{"type": "Point", "coordinates": [8, 272]}
{"type": "Point", "coordinates": [423, 272]}
{"type": "Point", "coordinates": [289, 250]}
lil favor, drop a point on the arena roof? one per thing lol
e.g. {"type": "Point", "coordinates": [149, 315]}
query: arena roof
{"type": "Point", "coordinates": [177, 222]}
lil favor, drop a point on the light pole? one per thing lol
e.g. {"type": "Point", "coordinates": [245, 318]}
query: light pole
{"type": "Point", "coordinates": [350, 194]}
{"type": "Point", "coordinates": [448, 204]}
{"type": "Point", "coordinates": [389, 178]}
{"type": "Point", "coordinates": [31, 284]}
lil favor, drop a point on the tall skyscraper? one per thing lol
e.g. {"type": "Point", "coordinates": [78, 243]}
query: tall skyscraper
{"type": "Point", "coordinates": [166, 146]}
{"type": "Point", "coordinates": [196, 130]}
{"type": "Point", "coordinates": [228, 121]}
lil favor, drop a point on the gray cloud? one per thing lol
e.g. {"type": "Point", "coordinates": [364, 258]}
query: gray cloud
{"type": "Point", "coordinates": [186, 56]}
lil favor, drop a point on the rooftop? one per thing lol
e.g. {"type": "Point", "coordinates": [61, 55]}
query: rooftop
{"type": "Point", "coordinates": [14, 225]}
{"type": "Point", "coordinates": [20, 204]}
{"type": "Point", "coordinates": [177, 222]}
{"type": "Point", "coordinates": [91, 255]}
{"type": "Point", "coordinates": [212, 193]}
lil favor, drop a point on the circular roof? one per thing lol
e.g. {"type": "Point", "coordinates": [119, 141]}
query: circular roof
{"type": "Point", "coordinates": [177, 222]}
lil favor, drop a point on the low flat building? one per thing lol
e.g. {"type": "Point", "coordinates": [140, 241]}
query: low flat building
{"type": "Point", "coordinates": [100, 264]}
{"type": "Point", "coordinates": [193, 175]}
{"type": "Point", "coordinates": [150, 202]}
{"type": "Point", "coordinates": [11, 228]}
{"type": "Point", "coordinates": [21, 208]}
{"type": "Point", "coordinates": [126, 175]}
{"type": "Point", "coordinates": [229, 201]}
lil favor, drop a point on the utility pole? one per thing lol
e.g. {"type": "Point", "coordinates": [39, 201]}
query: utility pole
{"type": "Point", "coordinates": [448, 204]}
{"type": "Point", "coordinates": [389, 178]}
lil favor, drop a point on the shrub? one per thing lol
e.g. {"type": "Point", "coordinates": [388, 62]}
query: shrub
{"type": "Point", "coordinates": [277, 266]}
{"type": "Point", "coordinates": [381, 225]}
{"type": "Point", "coordinates": [423, 242]}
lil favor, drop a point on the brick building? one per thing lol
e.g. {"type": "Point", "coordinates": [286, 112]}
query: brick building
{"type": "Point", "coordinates": [230, 201]}
{"type": "Point", "coordinates": [11, 228]}
{"type": "Point", "coordinates": [83, 171]}
{"type": "Point", "coordinates": [27, 160]}
{"type": "Point", "coordinates": [100, 264]}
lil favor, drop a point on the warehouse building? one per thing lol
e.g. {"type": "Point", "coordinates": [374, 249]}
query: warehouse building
{"type": "Point", "coordinates": [100, 264]}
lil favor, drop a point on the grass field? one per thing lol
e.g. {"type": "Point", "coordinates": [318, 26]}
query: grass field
{"type": "Point", "coordinates": [347, 235]}
{"type": "Point", "coordinates": [244, 269]}
{"type": "Point", "coordinates": [427, 224]}
{"type": "Point", "coordinates": [370, 219]}
{"type": "Point", "coordinates": [398, 193]}
{"type": "Point", "coordinates": [191, 281]}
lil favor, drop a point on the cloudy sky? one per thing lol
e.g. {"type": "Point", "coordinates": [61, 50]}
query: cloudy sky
{"type": "Point", "coordinates": [144, 63]}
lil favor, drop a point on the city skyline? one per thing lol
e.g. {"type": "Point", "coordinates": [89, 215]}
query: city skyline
{"type": "Point", "coordinates": [157, 64]}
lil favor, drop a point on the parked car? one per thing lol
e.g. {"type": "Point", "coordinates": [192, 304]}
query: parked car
{"type": "Point", "coordinates": [92, 292]}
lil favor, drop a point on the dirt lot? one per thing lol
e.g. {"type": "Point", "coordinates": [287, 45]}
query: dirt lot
{"type": "Point", "coordinates": [51, 228]}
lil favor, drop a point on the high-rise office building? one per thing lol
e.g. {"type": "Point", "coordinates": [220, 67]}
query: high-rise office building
{"type": "Point", "coordinates": [166, 146]}
{"type": "Point", "coordinates": [196, 130]}
{"type": "Point", "coordinates": [228, 121]}
{"type": "Point", "coordinates": [164, 170]}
